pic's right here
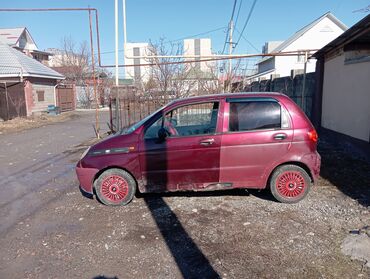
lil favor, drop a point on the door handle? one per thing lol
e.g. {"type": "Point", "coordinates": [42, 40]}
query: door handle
{"type": "Point", "coordinates": [280, 136]}
{"type": "Point", "coordinates": [207, 141]}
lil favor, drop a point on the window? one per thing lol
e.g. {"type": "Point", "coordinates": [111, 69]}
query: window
{"type": "Point", "coordinates": [254, 115]}
{"type": "Point", "coordinates": [195, 119]}
{"type": "Point", "coordinates": [40, 95]}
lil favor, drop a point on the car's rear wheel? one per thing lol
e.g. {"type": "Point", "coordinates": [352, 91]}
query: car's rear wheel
{"type": "Point", "coordinates": [115, 187]}
{"type": "Point", "coordinates": [290, 183]}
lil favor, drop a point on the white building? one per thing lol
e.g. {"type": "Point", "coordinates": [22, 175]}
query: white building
{"type": "Point", "coordinates": [61, 58]}
{"type": "Point", "coordinates": [201, 47]}
{"type": "Point", "coordinates": [313, 36]}
{"type": "Point", "coordinates": [343, 93]}
{"type": "Point", "coordinates": [137, 73]}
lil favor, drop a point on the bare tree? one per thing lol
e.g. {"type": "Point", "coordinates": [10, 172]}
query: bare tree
{"type": "Point", "coordinates": [178, 79]}
{"type": "Point", "coordinates": [363, 10]}
{"type": "Point", "coordinates": [74, 62]}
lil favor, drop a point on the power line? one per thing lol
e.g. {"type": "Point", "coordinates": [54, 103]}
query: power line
{"type": "Point", "coordinates": [176, 40]}
{"type": "Point", "coordinates": [245, 39]}
{"type": "Point", "coordinates": [246, 22]}
{"type": "Point", "coordinates": [237, 15]}
{"type": "Point", "coordinates": [234, 5]}
{"type": "Point", "coordinates": [228, 30]}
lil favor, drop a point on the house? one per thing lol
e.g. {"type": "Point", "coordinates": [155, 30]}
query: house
{"type": "Point", "coordinates": [313, 36]}
{"type": "Point", "coordinates": [26, 85]}
{"type": "Point", "coordinates": [138, 73]}
{"type": "Point", "coordinates": [343, 83]}
{"type": "Point", "coordinates": [203, 48]}
{"type": "Point", "coordinates": [21, 39]}
{"type": "Point", "coordinates": [63, 58]}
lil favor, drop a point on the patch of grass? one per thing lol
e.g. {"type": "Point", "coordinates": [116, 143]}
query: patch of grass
{"type": "Point", "coordinates": [23, 123]}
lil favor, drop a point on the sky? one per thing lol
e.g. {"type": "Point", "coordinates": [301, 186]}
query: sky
{"type": "Point", "coordinates": [175, 19]}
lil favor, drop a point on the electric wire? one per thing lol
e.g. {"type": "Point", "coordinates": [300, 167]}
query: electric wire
{"type": "Point", "coordinates": [246, 22]}
{"type": "Point", "coordinates": [228, 30]}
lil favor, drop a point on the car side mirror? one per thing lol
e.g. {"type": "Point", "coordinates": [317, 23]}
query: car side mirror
{"type": "Point", "coordinates": [162, 134]}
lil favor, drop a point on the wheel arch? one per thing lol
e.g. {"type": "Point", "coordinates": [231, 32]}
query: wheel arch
{"type": "Point", "coordinates": [299, 164]}
{"type": "Point", "coordinates": [113, 167]}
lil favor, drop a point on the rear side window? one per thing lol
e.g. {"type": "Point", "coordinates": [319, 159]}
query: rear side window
{"type": "Point", "coordinates": [254, 115]}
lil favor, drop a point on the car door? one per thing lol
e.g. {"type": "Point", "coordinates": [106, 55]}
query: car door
{"type": "Point", "coordinates": [257, 134]}
{"type": "Point", "coordinates": [189, 157]}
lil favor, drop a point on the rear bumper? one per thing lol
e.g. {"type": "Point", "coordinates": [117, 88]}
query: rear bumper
{"type": "Point", "coordinates": [86, 178]}
{"type": "Point", "coordinates": [313, 161]}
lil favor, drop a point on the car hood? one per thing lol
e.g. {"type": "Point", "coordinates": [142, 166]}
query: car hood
{"type": "Point", "coordinates": [117, 141]}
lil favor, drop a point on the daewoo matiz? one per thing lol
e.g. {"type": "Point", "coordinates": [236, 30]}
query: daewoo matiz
{"type": "Point", "coordinates": [215, 142]}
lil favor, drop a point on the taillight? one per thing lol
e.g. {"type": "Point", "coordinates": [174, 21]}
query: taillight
{"type": "Point", "coordinates": [313, 136]}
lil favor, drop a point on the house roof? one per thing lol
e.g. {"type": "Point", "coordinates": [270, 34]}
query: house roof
{"type": "Point", "coordinates": [13, 62]}
{"type": "Point", "coordinates": [10, 36]}
{"type": "Point", "coordinates": [360, 32]}
{"type": "Point", "coordinates": [260, 74]}
{"type": "Point", "coordinates": [302, 31]}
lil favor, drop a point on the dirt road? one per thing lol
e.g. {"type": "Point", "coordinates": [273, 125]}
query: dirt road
{"type": "Point", "coordinates": [49, 230]}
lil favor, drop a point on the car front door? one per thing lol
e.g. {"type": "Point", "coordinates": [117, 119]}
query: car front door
{"type": "Point", "coordinates": [257, 134]}
{"type": "Point", "coordinates": [189, 157]}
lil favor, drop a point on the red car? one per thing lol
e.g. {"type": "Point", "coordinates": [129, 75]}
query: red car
{"type": "Point", "coordinates": [215, 142]}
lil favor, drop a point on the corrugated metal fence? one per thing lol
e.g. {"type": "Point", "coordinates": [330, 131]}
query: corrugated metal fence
{"type": "Point", "coordinates": [291, 87]}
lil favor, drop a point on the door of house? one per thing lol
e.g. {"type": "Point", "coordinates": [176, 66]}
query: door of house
{"type": "Point", "coordinates": [66, 97]}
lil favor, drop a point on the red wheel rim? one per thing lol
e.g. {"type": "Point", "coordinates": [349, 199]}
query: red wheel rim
{"type": "Point", "coordinates": [290, 184]}
{"type": "Point", "coordinates": [114, 188]}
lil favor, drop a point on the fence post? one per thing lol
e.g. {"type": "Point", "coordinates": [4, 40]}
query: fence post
{"type": "Point", "coordinates": [304, 81]}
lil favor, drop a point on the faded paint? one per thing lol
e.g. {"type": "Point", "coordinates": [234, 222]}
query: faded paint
{"type": "Point", "coordinates": [346, 98]}
{"type": "Point", "coordinates": [28, 97]}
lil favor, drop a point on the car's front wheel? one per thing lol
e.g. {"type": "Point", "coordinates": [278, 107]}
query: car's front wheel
{"type": "Point", "coordinates": [290, 183]}
{"type": "Point", "coordinates": [115, 187]}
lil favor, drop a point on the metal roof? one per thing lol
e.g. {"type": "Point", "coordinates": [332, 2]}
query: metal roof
{"type": "Point", "coordinates": [360, 32]}
{"type": "Point", "coordinates": [302, 31]}
{"type": "Point", "coordinates": [14, 62]}
{"type": "Point", "coordinates": [10, 36]}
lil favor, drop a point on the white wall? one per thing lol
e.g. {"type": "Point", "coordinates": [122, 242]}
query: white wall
{"type": "Point", "coordinates": [317, 37]}
{"type": "Point", "coordinates": [49, 98]}
{"type": "Point", "coordinates": [205, 50]}
{"type": "Point", "coordinates": [346, 98]}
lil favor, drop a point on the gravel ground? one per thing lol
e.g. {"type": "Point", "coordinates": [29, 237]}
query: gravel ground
{"type": "Point", "coordinates": [233, 234]}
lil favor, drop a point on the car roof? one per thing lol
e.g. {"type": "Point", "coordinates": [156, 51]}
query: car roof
{"type": "Point", "coordinates": [228, 95]}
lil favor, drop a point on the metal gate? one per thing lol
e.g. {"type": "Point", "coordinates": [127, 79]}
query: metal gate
{"type": "Point", "coordinates": [66, 97]}
{"type": "Point", "coordinates": [132, 106]}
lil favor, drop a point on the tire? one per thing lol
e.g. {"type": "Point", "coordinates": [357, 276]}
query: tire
{"type": "Point", "coordinates": [115, 187]}
{"type": "Point", "coordinates": [290, 184]}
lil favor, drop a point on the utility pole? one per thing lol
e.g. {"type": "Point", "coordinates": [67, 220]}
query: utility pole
{"type": "Point", "coordinates": [94, 80]}
{"type": "Point", "coordinates": [231, 26]}
{"type": "Point", "coordinates": [124, 31]}
{"type": "Point", "coordinates": [116, 38]}
{"type": "Point", "coordinates": [118, 105]}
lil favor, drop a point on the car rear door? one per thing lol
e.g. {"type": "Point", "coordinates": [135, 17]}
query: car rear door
{"type": "Point", "coordinates": [257, 132]}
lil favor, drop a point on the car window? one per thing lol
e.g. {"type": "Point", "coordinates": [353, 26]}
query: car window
{"type": "Point", "coordinates": [194, 119]}
{"type": "Point", "coordinates": [254, 115]}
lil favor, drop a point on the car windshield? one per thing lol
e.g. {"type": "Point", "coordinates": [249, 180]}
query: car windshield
{"type": "Point", "coordinates": [133, 127]}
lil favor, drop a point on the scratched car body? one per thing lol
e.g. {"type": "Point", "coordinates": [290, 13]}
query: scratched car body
{"type": "Point", "coordinates": [214, 142]}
